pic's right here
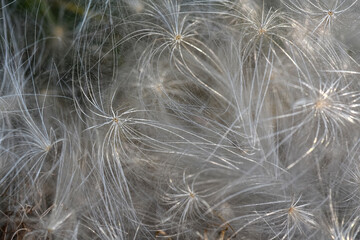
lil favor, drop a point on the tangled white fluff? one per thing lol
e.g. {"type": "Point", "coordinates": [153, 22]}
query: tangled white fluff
{"type": "Point", "coordinates": [170, 119]}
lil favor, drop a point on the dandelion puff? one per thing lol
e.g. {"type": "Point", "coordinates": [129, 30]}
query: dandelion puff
{"type": "Point", "coordinates": [172, 28]}
{"type": "Point", "coordinates": [188, 200]}
{"type": "Point", "coordinates": [47, 210]}
{"type": "Point", "coordinates": [324, 14]}
{"type": "Point", "coordinates": [185, 197]}
{"type": "Point", "coordinates": [120, 138]}
{"type": "Point", "coordinates": [35, 144]}
{"type": "Point", "coordinates": [176, 34]}
{"type": "Point", "coordinates": [330, 107]}
{"type": "Point", "coordinates": [261, 29]}
{"type": "Point", "coordinates": [285, 223]}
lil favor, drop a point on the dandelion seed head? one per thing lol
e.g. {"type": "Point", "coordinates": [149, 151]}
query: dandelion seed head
{"type": "Point", "coordinates": [322, 104]}
{"type": "Point", "coordinates": [262, 31]}
{"type": "Point", "coordinates": [48, 148]}
{"type": "Point", "coordinates": [291, 210]}
{"type": "Point", "coordinates": [178, 38]}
